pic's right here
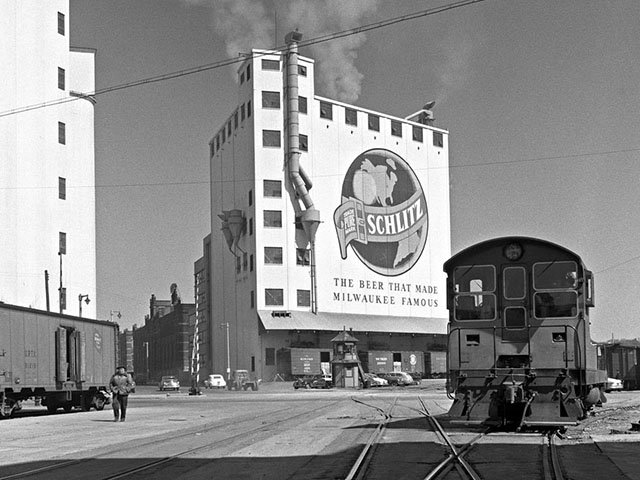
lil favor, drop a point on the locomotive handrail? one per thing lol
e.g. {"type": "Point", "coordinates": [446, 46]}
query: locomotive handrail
{"type": "Point", "coordinates": [576, 340]}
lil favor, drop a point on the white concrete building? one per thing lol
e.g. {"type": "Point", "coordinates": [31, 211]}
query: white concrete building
{"type": "Point", "coordinates": [380, 186]}
{"type": "Point", "coordinates": [47, 171]}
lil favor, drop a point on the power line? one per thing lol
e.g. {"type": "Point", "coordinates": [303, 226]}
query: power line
{"type": "Point", "coordinates": [219, 182]}
{"type": "Point", "coordinates": [242, 58]}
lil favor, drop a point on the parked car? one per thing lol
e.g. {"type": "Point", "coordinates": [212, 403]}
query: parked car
{"type": "Point", "coordinates": [215, 381]}
{"type": "Point", "coordinates": [169, 382]}
{"type": "Point", "coordinates": [312, 381]}
{"type": "Point", "coordinates": [417, 377]}
{"type": "Point", "coordinates": [373, 380]}
{"type": "Point", "coordinates": [243, 380]}
{"type": "Point", "coordinates": [397, 378]}
{"type": "Point", "coordinates": [613, 384]}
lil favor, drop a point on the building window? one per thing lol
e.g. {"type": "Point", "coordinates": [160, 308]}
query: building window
{"type": "Point", "coordinates": [374, 123]}
{"type": "Point", "coordinates": [248, 72]}
{"type": "Point", "coordinates": [248, 108]}
{"type": "Point", "coordinates": [251, 262]}
{"type": "Point", "coordinates": [250, 197]}
{"type": "Point", "coordinates": [245, 261]}
{"type": "Point", "coordinates": [326, 110]}
{"type": "Point", "coordinates": [417, 134]}
{"type": "Point", "coordinates": [241, 78]}
{"type": "Point", "coordinates": [269, 357]}
{"type": "Point", "coordinates": [302, 104]}
{"type": "Point", "coordinates": [62, 243]}
{"type": "Point", "coordinates": [270, 64]}
{"type": "Point", "coordinates": [396, 128]}
{"type": "Point", "coordinates": [304, 298]}
{"type": "Point", "coordinates": [252, 298]}
{"type": "Point", "coordinates": [217, 142]}
{"type": "Point", "coordinates": [303, 256]}
{"type": "Point", "coordinates": [437, 139]}
{"type": "Point", "coordinates": [251, 226]}
{"type": "Point", "coordinates": [351, 117]}
{"type": "Point", "coordinates": [235, 120]}
{"type": "Point", "coordinates": [273, 188]}
{"type": "Point", "coordinates": [61, 23]}
{"type": "Point", "coordinates": [273, 218]}
{"type": "Point", "coordinates": [229, 129]}
{"type": "Point", "coordinates": [271, 138]}
{"type": "Point", "coordinates": [62, 133]}
{"type": "Point", "coordinates": [303, 141]}
{"type": "Point", "coordinates": [61, 78]}
{"type": "Point", "coordinates": [273, 255]}
{"type": "Point", "coordinates": [238, 264]}
{"type": "Point", "coordinates": [302, 70]}
{"type": "Point", "coordinates": [270, 99]}
{"type": "Point", "coordinates": [242, 112]}
{"type": "Point", "coordinates": [62, 188]}
{"type": "Point", "coordinates": [273, 296]}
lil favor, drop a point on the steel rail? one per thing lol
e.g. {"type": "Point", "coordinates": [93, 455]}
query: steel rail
{"type": "Point", "coordinates": [359, 468]}
{"type": "Point", "coordinates": [456, 457]}
{"type": "Point", "coordinates": [554, 457]}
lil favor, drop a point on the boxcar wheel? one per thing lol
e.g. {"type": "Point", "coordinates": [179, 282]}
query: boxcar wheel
{"type": "Point", "coordinates": [52, 407]}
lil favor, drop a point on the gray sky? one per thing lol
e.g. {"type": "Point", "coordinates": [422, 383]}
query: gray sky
{"type": "Point", "coordinates": [540, 98]}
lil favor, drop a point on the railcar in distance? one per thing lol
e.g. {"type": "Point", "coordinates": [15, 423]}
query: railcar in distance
{"type": "Point", "coordinates": [519, 347]}
{"type": "Point", "coordinates": [60, 360]}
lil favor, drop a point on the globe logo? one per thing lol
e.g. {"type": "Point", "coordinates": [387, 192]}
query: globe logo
{"type": "Point", "coordinates": [383, 215]}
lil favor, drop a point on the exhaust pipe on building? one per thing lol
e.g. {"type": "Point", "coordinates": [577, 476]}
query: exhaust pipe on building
{"type": "Point", "coordinates": [310, 216]}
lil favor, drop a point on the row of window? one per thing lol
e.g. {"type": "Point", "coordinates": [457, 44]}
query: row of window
{"type": "Point", "coordinates": [275, 297]}
{"type": "Point", "coordinates": [272, 256]}
{"type": "Point", "coordinates": [373, 123]}
{"type": "Point", "coordinates": [269, 64]}
{"type": "Point", "coordinates": [234, 122]}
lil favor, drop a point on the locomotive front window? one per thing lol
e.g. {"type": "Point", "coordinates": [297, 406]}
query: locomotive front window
{"type": "Point", "coordinates": [555, 275]}
{"type": "Point", "coordinates": [514, 283]}
{"type": "Point", "coordinates": [474, 278]}
{"type": "Point", "coordinates": [475, 307]}
{"type": "Point", "coordinates": [556, 304]}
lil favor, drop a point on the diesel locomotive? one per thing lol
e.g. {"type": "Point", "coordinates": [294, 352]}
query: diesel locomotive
{"type": "Point", "coordinates": [520, 352]}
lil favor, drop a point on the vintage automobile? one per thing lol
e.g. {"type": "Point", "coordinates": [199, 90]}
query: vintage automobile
{"type": "Point", "coordinates": [397, 378]}
{"type": "Point", "coordinates": [169, 382]}
{"type": "Point", "coordinates": [373, 380]}
{"type": "Point", "coordinates": [215, 380]}
{"type": "Point", "coordinates": [312, 381]}
{"type": "Point", "coordinates": [613, 384]}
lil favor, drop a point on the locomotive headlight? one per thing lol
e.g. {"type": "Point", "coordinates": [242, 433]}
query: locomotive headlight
{"type": "Point", "coordinates": [513, 251]}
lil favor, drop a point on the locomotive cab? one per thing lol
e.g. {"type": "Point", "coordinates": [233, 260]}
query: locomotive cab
{"type": "Point", "coordinates": [519, 346]}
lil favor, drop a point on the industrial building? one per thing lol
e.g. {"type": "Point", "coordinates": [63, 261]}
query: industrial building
{"type": "Point", "coordinates": [325, 216]}
{"type": "Point", "coordinates": [47, 185]}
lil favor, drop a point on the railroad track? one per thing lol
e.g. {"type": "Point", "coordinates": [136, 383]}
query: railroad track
{"type": "Point", "coordinates": [268, 421]}
{"type": "Point", "coordinates": [455, 463]}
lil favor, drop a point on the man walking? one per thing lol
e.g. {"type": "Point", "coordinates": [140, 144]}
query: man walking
{"type": "Point", "coordinates": [120, 385]}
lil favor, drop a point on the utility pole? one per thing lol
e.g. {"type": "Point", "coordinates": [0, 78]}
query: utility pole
{"type": "Point", "coordinates": [226, 326]}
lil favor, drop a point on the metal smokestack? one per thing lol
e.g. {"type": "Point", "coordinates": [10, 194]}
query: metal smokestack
{"type": "Point", "coordinates": [310, 216]}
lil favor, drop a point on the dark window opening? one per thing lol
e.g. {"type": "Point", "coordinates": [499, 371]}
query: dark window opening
{"type": "Point", "coordinates": [270, 64]}
{"type": "Point", "coordinates": [396, 128]}
{"type": "Point", "coordinates": [417, 134]}
{"type": "Point", "coordinates": [351, 117]}
{"type": "Point", "coordinates": [326, 110]}
{"type": "Point", "coordinates": [438, 139]}
{"type": "Point", "coordinates": [269, 356]}
{"type": "Point", "coordinates": [374, 123]}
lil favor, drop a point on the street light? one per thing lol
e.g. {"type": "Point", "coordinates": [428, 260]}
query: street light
{"type": "Point", "coordinates": [112, 312]}
{"type": "Point", "coordinates": [86, 300]}
{"type": "Point", "coordinates": [226, 326]}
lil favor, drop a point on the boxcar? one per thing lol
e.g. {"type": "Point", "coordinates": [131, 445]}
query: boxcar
{"type": "Point", "coordinates": [60, 360]}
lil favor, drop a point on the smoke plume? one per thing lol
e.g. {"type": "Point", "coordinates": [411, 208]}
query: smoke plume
{"type": "Point", "coordinates": [247, 24]}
